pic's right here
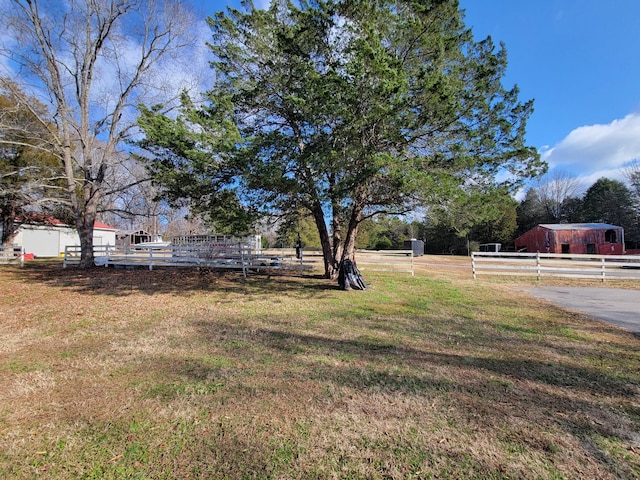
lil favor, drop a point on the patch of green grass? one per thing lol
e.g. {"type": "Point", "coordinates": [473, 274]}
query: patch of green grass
{"type": "Point", "coordinates": [571, 334]}
{"type": "Point", "coordinates": [217, 362]}
{"type": "Point", "coordinates": [623, 459]}
{"type": "Point", "coordinates": [178, 389]}
{"type": "Point", "coordinates": [371, 342]}
{"type": "Point", "coordinates": [519, 329]}
{"type": "Point", "coordinates": [284, 452]}
{"type": "Point", "coordinates": [20, 365]}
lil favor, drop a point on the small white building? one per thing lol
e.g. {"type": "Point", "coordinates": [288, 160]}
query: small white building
{"type": "Point", "coordinates": [48, 238]}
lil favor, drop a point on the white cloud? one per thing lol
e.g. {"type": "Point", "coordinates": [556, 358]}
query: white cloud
{"type": "Point", "coordinates": [595, 151]}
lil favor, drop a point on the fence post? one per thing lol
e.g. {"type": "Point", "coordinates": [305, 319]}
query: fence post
{"type": "Point", "coordinates": [604, 269]}
{"type": "Point", "coordinates": [538, 269]}
{"type": "Point", "coordinates": [473, 264]}
{"type": "Point", "coordinates": [150, 258]}
{"type": "Point", "coordinates": [21, 257]}
{"type": "Point", "coordinates": [243, 260]}
{"type": "Point", "coordinates": [412, 271]}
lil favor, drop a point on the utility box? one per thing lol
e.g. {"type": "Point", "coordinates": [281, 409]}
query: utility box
{"type": "Point", "coordinates": [417, 246]}
{"type": "Point", "coordinates": [490, 247]}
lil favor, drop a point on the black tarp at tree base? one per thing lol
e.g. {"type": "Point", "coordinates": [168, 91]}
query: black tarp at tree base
{"type": "Point", "coordinates": [349, 277]}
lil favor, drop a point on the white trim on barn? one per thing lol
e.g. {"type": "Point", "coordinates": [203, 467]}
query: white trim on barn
{"type": "Point", "coordinates": [50, 240]}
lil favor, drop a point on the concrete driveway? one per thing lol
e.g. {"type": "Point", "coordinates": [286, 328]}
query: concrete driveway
{"type": "Point", "coordinates": [618, 306]}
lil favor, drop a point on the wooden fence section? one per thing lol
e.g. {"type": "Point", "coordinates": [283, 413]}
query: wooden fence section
{"type": "Point", "coordinates": [12, 256]}
{"type": "Point", "coordinates": [234, 257]}
{"type": "Point", "coordinates": [238, 257]}
{"type": "Point", "coordinates": [601, 267]}
{"type": "Point", "coordinates": [366, 260]}
{"type": "Point", "coordinates": [400, 261]}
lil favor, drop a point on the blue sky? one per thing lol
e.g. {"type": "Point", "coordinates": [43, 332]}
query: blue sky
{"type": "Point", "coordinates": [580, 61]}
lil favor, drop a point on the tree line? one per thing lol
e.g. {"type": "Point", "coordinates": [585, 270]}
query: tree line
{"type": "Point", "coordinates": [557, 198]}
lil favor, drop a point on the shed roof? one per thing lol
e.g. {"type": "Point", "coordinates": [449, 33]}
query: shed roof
{"type": "Point", "coordinates": [103, 226]}
{"type": "Point", "coordinates": [37, 219]}
{"type": "Point", "coordinates": [579, 226]}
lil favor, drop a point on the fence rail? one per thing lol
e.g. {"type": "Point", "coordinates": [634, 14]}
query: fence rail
{"type": "Point", "coordinates": [401, 261]}
{"type": "Point", "coordinates": [539, 265]}
{"type": "Point", "coordinates": [385, 260]}
{"type": "Point", "coordinates": [12, 255]}
{"type": "Point", "coordinates": [238, 257]}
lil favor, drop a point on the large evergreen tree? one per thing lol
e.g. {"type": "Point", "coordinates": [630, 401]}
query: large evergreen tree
{"type": "Point", "coordinates": [609, 201]}
{"type": "Point", "coordinates": [348, 109]}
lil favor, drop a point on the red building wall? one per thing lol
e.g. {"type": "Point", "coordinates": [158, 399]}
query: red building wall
{"type": "Point", "coordinates": [600, 241]}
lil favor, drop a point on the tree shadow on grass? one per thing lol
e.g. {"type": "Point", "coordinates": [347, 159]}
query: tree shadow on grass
{"type": "Point", "coordinates": [183, 281]}
{"type": "Point", "coordinates": [504, 394]}
{"type": "Point", "coordinates": [373, 350]}
{"type": "Point", "coordinates": [491, 389]}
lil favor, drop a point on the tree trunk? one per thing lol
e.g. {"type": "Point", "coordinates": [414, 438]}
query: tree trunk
{"type": "Point", "coordinates": [337, 246]}
{"type": "Point", "coordinates": [352, 232]}
{"type": "Point", "coordinates": [85, 224]}
{"type": "Point", "coordinates": [86, 246]}
{"type": "Point", "coordinates": [330, 265]}
{"type": "Point", "coordinates": [9, 227]}
{"type": "Point", "coordinates": [350, 242]}
{"type": "Point", "coordinates": [349, 247]}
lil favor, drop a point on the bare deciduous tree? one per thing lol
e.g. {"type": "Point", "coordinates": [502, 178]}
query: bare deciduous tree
{"type": "Point", "coordinates": [632, 176]}
{"type": "Point", "coordinates": [554, 189]}
{"type": "Point", "coordinates": [130, 198]}
{"type": "Point", "coordinates": [95, 60]}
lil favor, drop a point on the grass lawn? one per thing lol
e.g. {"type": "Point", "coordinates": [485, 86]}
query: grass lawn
{"type": "Point", "coordinates": [176, 374]}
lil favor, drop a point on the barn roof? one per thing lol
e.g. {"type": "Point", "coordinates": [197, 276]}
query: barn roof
{"type": "Point", "coordinates": [579, 226]}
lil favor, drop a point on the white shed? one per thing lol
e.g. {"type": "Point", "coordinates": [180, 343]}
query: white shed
{"type": "Point", "coordinates": [49, 237]}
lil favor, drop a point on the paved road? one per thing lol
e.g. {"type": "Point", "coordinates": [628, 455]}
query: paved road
{"type": "Point", "coordinates": [618, 306]}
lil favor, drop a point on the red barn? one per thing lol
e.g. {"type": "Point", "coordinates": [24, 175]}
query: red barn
{"type": "Point", "coordinates": [589, 238]}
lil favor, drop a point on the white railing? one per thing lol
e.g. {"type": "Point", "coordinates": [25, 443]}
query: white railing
{"type": "Point", "coordinates": [366, 260]}
{"type": "Point", "coordinates": [601, 267]}
{"type": "Point", "coordinates": [234, 257]}
{"type": "Point", "coordinates": [239, 257]}
{"type": "Point", "coordinates": [254, 242]}
{"type": "Point", "coordinates": [385, 260]}
{"type": "Point", "coordinates": [12, 255]}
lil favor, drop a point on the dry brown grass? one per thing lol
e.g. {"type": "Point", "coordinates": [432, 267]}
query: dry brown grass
{"type": "Point", "coordinates": [181, 374]}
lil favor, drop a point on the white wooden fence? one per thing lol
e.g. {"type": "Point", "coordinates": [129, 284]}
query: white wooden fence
{"type": "Point", "coordinates": [238, 257]}
{"type": "Point", "coordinates": [12, 255]}
{"type": "Point", "coordinates": [602, 267]}
{"type": "Point", "coordinates": [401, 261]}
